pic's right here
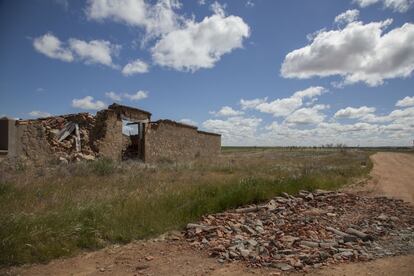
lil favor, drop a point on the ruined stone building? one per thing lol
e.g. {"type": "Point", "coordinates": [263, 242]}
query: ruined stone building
{"type": "Point", "coordinates": [84, 136]}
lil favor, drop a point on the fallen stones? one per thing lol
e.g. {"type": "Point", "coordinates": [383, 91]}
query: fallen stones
{"type": "Point", "coordinates": [300, 233]}
{"type": "Point", "coordinates": [74, 145]}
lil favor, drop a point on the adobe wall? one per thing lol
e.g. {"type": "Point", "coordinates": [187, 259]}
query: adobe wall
{"type": "Point", "coordinates": [175, 142]}
{"type": "Point", "coordinates": [31, 143]}
{"type": "Point", "coordinates": [210, 144]}
{"type": "Point", "coordinates": [108, 134]}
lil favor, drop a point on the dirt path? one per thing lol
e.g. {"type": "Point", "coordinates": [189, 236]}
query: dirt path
{"type": "Point", "coordinates": [393, 175]}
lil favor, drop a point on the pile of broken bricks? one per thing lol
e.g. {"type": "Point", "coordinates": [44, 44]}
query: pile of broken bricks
{"type": "Point", "coordinates": [306, 231]}
{"type": "Point", "coordinates": [70, 139]}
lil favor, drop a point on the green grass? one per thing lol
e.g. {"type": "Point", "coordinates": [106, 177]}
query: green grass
{"type": "Point", "coordinates": [92, 204]}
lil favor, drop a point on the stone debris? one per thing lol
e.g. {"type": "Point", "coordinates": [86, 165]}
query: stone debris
{"type": "Point", "coordinates": [308, 231]}
{"type": "Point", "coordinates": [61, 133]}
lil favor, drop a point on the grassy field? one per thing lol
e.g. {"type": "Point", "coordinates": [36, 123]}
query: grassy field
{"type": "Point", "coordinates": [57, 211]}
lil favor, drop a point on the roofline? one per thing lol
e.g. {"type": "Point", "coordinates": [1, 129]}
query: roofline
{"type": "Point", "coordinates": [114, 106]}
{"type": "Point", "coordinates": [208, 133]}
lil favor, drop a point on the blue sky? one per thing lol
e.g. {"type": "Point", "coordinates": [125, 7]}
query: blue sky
{"type": "Point", "coordinates": [259, 72]}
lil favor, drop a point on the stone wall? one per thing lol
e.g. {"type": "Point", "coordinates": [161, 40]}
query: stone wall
{"type": "Point", "coordinates": [209, 143]}
{"type": "Point", "coordinates": [32, 143]}
{"type": "Point", "coordinates": [101, 136]}
{"type": "Point", "coordinates": [108, 134]}
{"type": "Point", "coordinates": [168, 141]}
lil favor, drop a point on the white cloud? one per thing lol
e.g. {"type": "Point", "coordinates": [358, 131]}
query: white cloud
{"type": "Point", "coordinates": [396, 5]}
{"type": "Point", "coordinates": [312, 36]}
{"type": "Point", "coordinates": [310, 92]}
{"type": "Point", "coordinates": [183, 44]}
{"type": "Point", "coordinates": [200, 44]}
{"type": "Point", "coordinates": [359, 53]}
{"type": "Point", "coordinates": [88, 103]}
{"type": "Point", "coordinates": [280, 107]}
{"type": "Point", "coordinates": [135, 67]}
{"type": "Point", "coordinates": [227, 111]}
{"type": "Point", "coordinates": [113, 96]}
{"type": "Point", "coordinates": [309, 126]}
{"type": "Point", "coordinates": [94, 51]}
{"type": "Point", "coordinates": [347, 17]}
{"type": "Point", "coordinates": [188, 122]}
{"type": "Point", "coordinates": [397, 115]}
{"type": "Point", "coordinates": [201, 2]}
{"type": "Point", "coordinates": [156, 19]}
{"type": "Point", "coordinates": [51, 46]}
{"type": "Point", "coordinates": [246, 104]}
{"type": "Point", "coordinates": [407, 101]}
{"type": "Point", "coordinates": [285, 106]}
{"type": "Point", "coordinates": [139, 95]}
{"type": "Point", "coordinates": [307, 115]}
{"type": "Point", "coordinates": [235, 130]}
{"type": "Point", "coordinates": [250, 3]}
{"type": "Point", "coordinates": [354, 113]}
{"type": "Point", "coordinates": [218, 8]}
{"type": "Point", "coordinates": [39, 114]}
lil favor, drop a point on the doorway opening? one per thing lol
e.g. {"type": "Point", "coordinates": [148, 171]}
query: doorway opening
{"type": "Point", "coordinates": [134, 135]}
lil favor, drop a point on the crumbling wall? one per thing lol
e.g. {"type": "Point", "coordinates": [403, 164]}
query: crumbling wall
{"type": "Point", "coordinates": [108, 136]}
{"type": "Point", "coordinates": [168, 141]}
{"type": "Point", "coordinates": [37, 140]}
{"type": "Point", "coordinates": [32, 143]}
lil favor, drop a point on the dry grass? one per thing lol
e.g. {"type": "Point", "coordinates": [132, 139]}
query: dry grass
{"type": "Point", "coordinates": [56, 211]}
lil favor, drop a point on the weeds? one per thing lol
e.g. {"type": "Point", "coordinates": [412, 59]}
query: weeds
{"type": "Point", "coordinates": [93, 204]}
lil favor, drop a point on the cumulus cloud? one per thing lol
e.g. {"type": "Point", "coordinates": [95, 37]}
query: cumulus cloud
{"type": "Point", "coordinates": [235, 130]}
{"type": "Point", "coordinates": [156, 19]}
{"type": "Point", "coordinates": [359, 53]}
{"type": "Point", "coordinates": [285, 106]}
{"type": "Point", "coordinates": [307, 115]}
{"type": "Point", "coordinates": [39, 114]}
{"type": "Point", "coordinates": [227, 111]}
{"type": "Point", "coordinates": [51, 46]}
{"type": "Point", "coordinates": [114, 96]}
{"type": "Point", "coordinates": [92, 52]}
{"type": "Point", "coordinates": [201, 44]}
{"type": "Point", "coordinates": [347, 17]}
{"type": "Point", "coordinates": [188, 122]}
{"type": "Point", "coordinates": [88, 103]}
{"type": "Point", "coordinates": [182, 43]}
{"type": "Point", "coordinates": [354, 113]}
{"type": "Point", "coordinates": [139, 95]}
{"type": "Point", "coordinates": [311, 125]}
{"type": "Point", "coordinates": [396, 5]}
{"type": "Point", "coordinates": [395, 115]}
{"type": "Point", "coordinates": [135, 67]}
{"type": "Point", "coordinates": [246, 104]}
{"type": "Point", "coordinates": [407, 101]}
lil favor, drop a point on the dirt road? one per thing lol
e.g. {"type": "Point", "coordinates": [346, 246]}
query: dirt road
{"type": "Point", "coordinates": [393, 175]}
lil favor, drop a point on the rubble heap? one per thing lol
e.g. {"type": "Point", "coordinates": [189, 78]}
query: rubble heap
{"type": "Point", "coordinates": [308, 231]}
{"type": "Point", "coordinates": [62, 136]}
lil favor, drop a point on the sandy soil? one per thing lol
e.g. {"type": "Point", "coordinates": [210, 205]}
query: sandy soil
{"type": "Point", "coordinates": [393, 175]}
